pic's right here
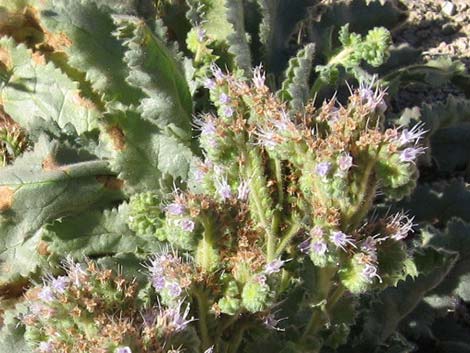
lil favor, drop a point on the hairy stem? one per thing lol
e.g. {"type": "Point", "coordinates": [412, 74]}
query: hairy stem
{"type": "Point", "coordinates": [203, 309]}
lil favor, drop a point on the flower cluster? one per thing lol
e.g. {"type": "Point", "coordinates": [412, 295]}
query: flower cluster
{"type": "Point", "coordinates": [92, 309]}
{"type": "Point", "coordinates": [274, 186]}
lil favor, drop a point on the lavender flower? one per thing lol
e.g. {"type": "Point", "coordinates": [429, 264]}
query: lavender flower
{"type": "Point", "coordinates": [123, 350]}
{"type": "Point", "coordinates": [186, 224]}
{"type": "Point", "coordinates": [316, 232]}
{"type": "Point", "coordinates": [305, 246]}
{"type": "Point", "coordinates": [59, 284]}
{"type": "Point", "coordinates": [217, 72]}
{"type": "Point", "coordinates": [158, 282]}
{"type": "Point", "coordinates": [319, 247]}
{"type": "Point", "coordinates": [374, 100]}
{"type": "Point", "coordinates": [174, 289]}
{"type": "Point", "coordinates": [322, 169]}
{"type": "Point", "coordinates": [411, 136]}
{"type": "Point", "coordinates": [46, 294]}
{"type": "Point", "coordinates": [45, 347]}
{"type": "Point", "coordinates": [267, 138]}
{"type": "Point", "coordinates": [258, 77]}
{"type": "Point", "coordinates": [209, 84]}
{"type": "Point", "coordinates": [401, 225]}
{"type": "Point", "coordinates": [201, 34]}
{"type": "Point", "coordinates": [370, 272]}
{"type": "Point", "coordinates": [172, 320]}
{"type": "Point", "coordinates": [224, 98]}
{"type": "Point", "coordinates": [223, 188]}
{"type": "Point", "coordinates": [227, 111]}
{"type": "Point", "coordinates": [75, 272]}
{"type": "Point", "coordinates": [243, 190]}
{"type": "Point", "coordinates": [274, 266]}
{"type": "Point", "coordinates": [175, 209]}
{"type": "Point", "coordinates": [272, 323]}
{"type": "Point", "coordinates": [345, 162]}
{"type": "Point", "coordinates": [409, 155]}
{"type": "Point", "coordinates": [341, 239]}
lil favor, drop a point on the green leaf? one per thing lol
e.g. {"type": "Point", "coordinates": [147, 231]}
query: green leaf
{"type": "Point", "coordinates": [295, 87]}
{"type": "Point", "coordinates": [238, 41]}
{"type": "Point", "coordinates": [144, 156]}
{"type": "Point", "coordinates": [95, 233]}
{"type": "Point", "coordinates": [34, 92]}
{"type": "Point", "coordinates": [11, 333]}
{"type": "Point", "coordinates": [41, 186]}
{"type": "Point", "coordinates": [83, 30]}
{"type": "Point", "coordinates": [456, 237]}
{"type": "Point", "coordinates": [394, 304]}
{"type": "Point", "coordinates": [158, 72]}
{"type": "Point", "coordinates": [280, 21]}
{"type": "Point", "coordinates": [438, 202]}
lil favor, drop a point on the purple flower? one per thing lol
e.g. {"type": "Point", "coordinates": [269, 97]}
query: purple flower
{"type": "Point", "coordinates": [46, 294]}
{"type": "Point", "coordinates": [409, 155]}
{"type": "Point", "coordinates": [224, 98]}
{"type": "Point", "coordinates": [341, 239]}
{"type": "Point", "coordinates": [370, 272]}
{"type": "Point", "coordinates": [223, 189]}
{"type": "Point", "coordinates": [158, 282]}
{"type": "Point", "coordinates": [305, 246]}
{"type": "Point", "coordinates": [345, 162]}
{"type": "Point", "coordinates": [374, 100]}
{"type": "Point", "coordinates": [45, 347]}
{"type": "Point", "coordinates": [60, 284]}
{"type": "Point", "coordinates": [186, 224]}
{"type": "Point", "coordinates": [274, 266]}
{"type": "Point", "coordinates": [227, 111]}
{"type": "Point", "coordinates": [172, 320]}
{"type": "Point", "coordinates": [209, 83]}
{"type": "Point", "coordinates": [267, 138]}
{"type": "Point", "coordinates": [411, 136]}
{"type": "Point", "coordinates": [75, 272]}
{"type": "Point", "coordinates": [319, 247]}
{"type": "Point", "coordinates": [322, 169]}
{"type": "Point", "coordinates": [175, 209]}
{"type": "Point", "coordinates": [316, 232]}
{"type": "Point", "coordinates": [123, 350]}
{"type": "Point", "coordinates": [174, 289]}
{"type": "Point", "coordinates": [201, 34]}
{"type": "Point", "coordinates": [402, 226]}
{"type": "Point", "coordinates": [243, 190]}
{"type": "Point", "coordinates": [258, 77]}
{"type": "Point", "coordinates": [217, 72]}
{"type": "Point", "coordinates": [272, 323]}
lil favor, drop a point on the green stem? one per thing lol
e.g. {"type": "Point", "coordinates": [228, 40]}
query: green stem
{"type": "Point", "coordinates": [279, 181]}
{"type": "Point", "coordinates": [238, 338]}
{"type": "Point", "coordinates": [366, 194]}
{"type": "Point", "coordinates": [285, 241]}
{"type": "Point", "coordinates": [207, 242]}
{"type": "Point", "coordinates": [203, 309]}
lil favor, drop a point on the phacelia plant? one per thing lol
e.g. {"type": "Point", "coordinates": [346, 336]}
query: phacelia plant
{"type": "Point", "coordinates": [274, 189]}
{"type": "Point", "coordinates": [212, 176]}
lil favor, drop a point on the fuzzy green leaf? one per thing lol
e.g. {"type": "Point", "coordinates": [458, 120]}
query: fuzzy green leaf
{"type": "Point", "coordinates": [83, 30]}
{"type": "Point", "coordinates": [280, 21]}
{"type": "Point", "coordinates": [395, 303]}
{"type": "Point", "coordinates": [239, 45]}
{"type": "Point", "coordinates": [95, 233]}
{"type": "Point", "coordinates": [34, 92]}
{"type": "Point", "coordinates": [41, 186]}
{"type": "Point", "coordinates": [295, 87]}
{"type": "Point", "coordinates": [157, 71]}
{"type": "Point", "coordinates": [144, 156]}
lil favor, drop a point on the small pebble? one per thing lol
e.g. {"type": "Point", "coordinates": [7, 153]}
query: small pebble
{"type": "Point", "coordinates": [449, 28]}
{"type": "Point", "coordinates": [448, 8]}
